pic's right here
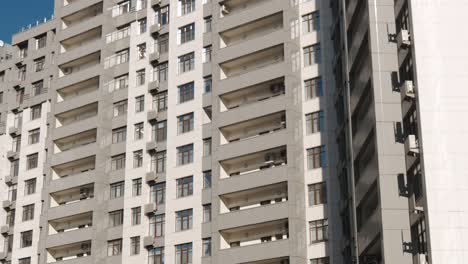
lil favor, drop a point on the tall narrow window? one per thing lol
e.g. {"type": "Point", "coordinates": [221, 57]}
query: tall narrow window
{"type": "Point", "coordinates": [206, 179]}
{"type": "Point", "coordinates": [114, 247]}
{"type": "Point", "coordinates": [39, 64]}
{"type": "Point", "coordinates": [159, 131]}
{"type": "Point", "coordinates": [157, 223]}
{"type": "Point", "coordinates": [206, 147]}
{"type": "Point", "coordinates": [207, 22]}
{"type": "Point", "coordinates": [142, 25]}
{"type": "Point", "coordinates": [137, 159]}
{"type": "Point", "coordinates": [207, 53]}
{"type": "Point", "coordinates": [30, 186]}
{"type": "Point", "coordinates": [116, 218]}
{"type": "Point", "coordinates": [117, 190]}
{"type": "Point", "coordinates": [156, 255]}
{"type": "Point", "coordinates": [26, 239]}
{"type": "Point", "coordinates": [160, 102]}
{"type": "Point", "coordinates": [207, 83]}
{"type": "Point", "coordinates": [119, 135]}
{"type": "Point", "coordinates": [136, 216]}
{"type": "Point", "coordinates": [158, 193]}
{"type": "Point", "coordinates": [136, 187]}
{"type": "Point", "coordinates": [162, 15]}
{"type": "Point", "coordinates": [162, 72]}
{"type": "Point", "coordinates": [139, 131]}
{"type": "Point", "coordinates": [141, 51]}
{"type": "Point", "coordinates": [140, 103]}
{"type": "Point", "coordinates": [186, 6]}
{"type": "Point", "coordinates": [158, 162]}
{"type": "Point", "coordinates": [41, 41]}
{"type": "Point", "coordinates": [134, 246]}
{"type": "Point", "coordinates": [32, 161]}
{"type": "Point", "coordinates": [206, 213]}
{"type": "Point", "coordinates": [206, 250]}
{"type": "Point", "coordinates": [28, 212]}
{"type": "Point", "coordinates": [140, 77]}
{"type": "Point", "coordinates": [120, 108]}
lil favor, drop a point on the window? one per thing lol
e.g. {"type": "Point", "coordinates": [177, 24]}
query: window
{"type": "Point", "coordinates": [160, 102]}
{"type": "Point", "coordinates": [22, 73]}
{"type": "Point", "coordinates": [206, 179]}
{"type": "Point", "coordinates": [116, 218]}
{"type": "Point", "coordinates": [26, 239]}
{"type": "Point", "coordinates": [39, 64]}
{"type": "Point", "coordinates": [121, 82]}
{"type": "Point", "coordinates": [207, 54]}
{"type": "Point", "coordinates": [186, 6]}
{"type": "Point", "coordinates": [134, 245]}
{"type": "Point", "coordinates": [137, 159]}
{"type": "Point", "coordinates": [184, 220]}
{"type": "Point", "coordinates": [317, 193]}
{"type": "Point", "coordinates": [41, 41]}
{"type": "Point", "coordinates": [24, 260]}
{"type": "Point", "coordinates": [32, 161]}
{"type": "Point", "coordinates": [14, 168]}
{"type": "Point", "coordinates": [184, 186]}
{"type": "Point", "coordinates": [312, 55]}
{"type": "Point", "coordinates": [162, 16]}
{"type": "Point", "coordinates": [186, 92]}
{"type": "Point", "coordinates": [156, 255]}
{"type": "Point", "coordinates": [185, 154]}
{"type": "Point", "coordinates": [207, 83]}
{"type": "Point", "coordinates": [119, 135]}
{"type": "Point", "coordinates": [139, 131]}
{"type": "Point", "coordinates": [185, 123]}
{"type": "Point", "coordinates": [139, 103]}
{"type": "Point", "coordinates": [206, 147]}
{"type": "Point", "coordinates": [159, 131]}
{"type": "Point", "coordinates": [162, 72]}
{"type": "Point", "coordinates": [318, 230]}
{"type": "Point", "coordinates": [184, 253]}
{"type": "Point", "coordinates": [187, 33]}
{"type": "Point", "coordinates": [163, 44]}
{"type": "Point", "coordinates": [314, 122]}
{"type": "Point", "coordinates": [157, 223]}
{"type": "Point", "coordinates": [10, 217]}
{"type": "Point", "coordinates": [1, 95]}
{"type": "Point", "coordinates": [2, 76]}
{"type": "Point", "coordinates": [120, 108]}
{"type": "Point", "coordinates": [16, 144]}
{"type": "Point", "coordinates": [136, 216]}
{"type": "Point", "coordinates": [136, 187]}
{"type": "Point", "coordinates": [121, 56]}
{"type": "Point", "coordinates": [114, 247]}
{"type": "Point", "coordinates": [158, 193]}
{"type": "Point", "coordinates": [206, 247]}
{"type": "Point", "coordinates": [140, 77]}
{"type": "Point", "coordinates": [207, 22]}
{"type": "Point", "coordinates": [325, 260]}
{"type": "Point", "coordinates": [28, 212]}
{"type": "Point", "coordinates": [313, 88]}
{"type": "Point", "coordinates": [142, 26]}
{"type": "Point", "coordinates": [12, 192]}
{"type": "Point", "coordinates": [30, 186]}
{"type": "Point", "coordinates": [206, 213]}
{"type": "Point", "coordinates": [316, 157]}
{"type": "Point", "coordinates": [38, 88]}
{"type": "Point", "coordinates": [186, 62]}
{"type": "Point", "coordinates": [117, 190]}
{"type": "Point", "coordinates": [141, 51]}
{"type": "Point", "coordinates": [310, 22]}
{"type": "Point", "coordinates": [23, 52]}
{"type": "Point", "coordinates": [158, 162]}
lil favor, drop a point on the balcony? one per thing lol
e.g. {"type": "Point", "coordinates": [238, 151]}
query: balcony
{"type": "Point", "coordinates": [77, 90]}
{"type": "Point", "coordinates": [73, 168]}
{"type": "Point", "coordinates": [253, 128]}
{"type": "Point", "coordinates": [70, 223]}
{"type": "Point", "coordinates": [254, 162]}
{"type": "Point", "coordinates": [284, 260]}
{"type": "Point", "coordinates": [251, 30]}
{"type": "Point", "coordinates": [76, 115]}
{"type": "Point", "coordinates": [252, 62]}
{"type": "Point", "coordinates": [81, 16]}
{"type": "Point", "coordinates": [66, 253]}
{"type": "Point", "coordinates": [71, 196]}
{"type": "Point", "coordinates": [230, 7]}
{"type": "Point", "coordinates": [126, 7]}
{"type": "Point", "coordinates": [79, 65]}
{"type": "Point", "coordinates": [243, 236]}
{"type": "Point", "coordinates": [81, 40]}
{"type": "Point", "coordinates": [75, 141]}
{"type": "Point", "coordinates": [118, 35]}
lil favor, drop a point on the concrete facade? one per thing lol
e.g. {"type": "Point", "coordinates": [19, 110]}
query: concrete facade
{"type": "Point", "coordinates": [233, 132]}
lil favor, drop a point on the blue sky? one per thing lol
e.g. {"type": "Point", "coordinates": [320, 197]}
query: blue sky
{"type": "Point", "coordinates": [20, 13]}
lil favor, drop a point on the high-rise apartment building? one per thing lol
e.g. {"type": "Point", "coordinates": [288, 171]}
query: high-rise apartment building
{"type": "Point", "coordinates": [235, 132]}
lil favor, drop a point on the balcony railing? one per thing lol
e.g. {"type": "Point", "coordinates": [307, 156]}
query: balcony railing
{"type": "Point", "coordinates": [127, 7]}
{"type": "Point", "coordinates": [118, 35]}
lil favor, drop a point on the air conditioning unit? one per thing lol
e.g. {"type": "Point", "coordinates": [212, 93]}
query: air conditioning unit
{"type": "Point", "coordinates": [224, 10]}
{"type": "Point", "coordinates": [404, 38]}
{"type": "Point", "coordinates": [412, 145]}
{"type": "Point", "coordinates": [408, 89]}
